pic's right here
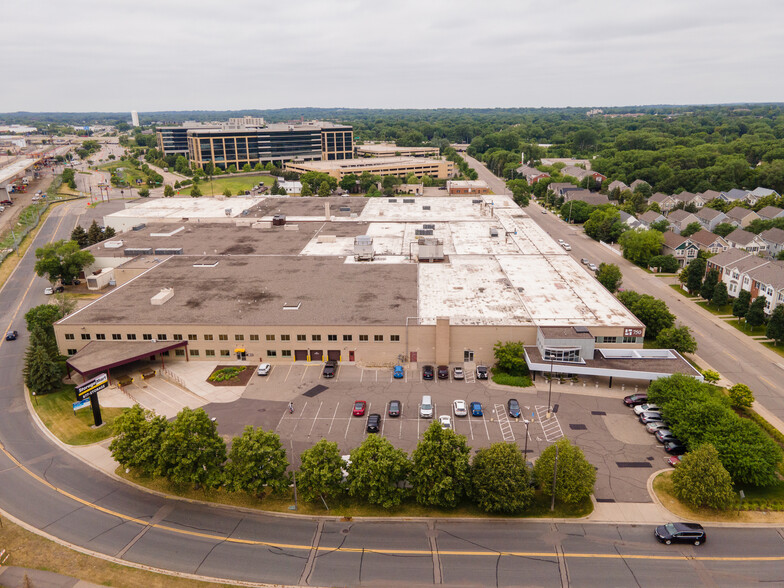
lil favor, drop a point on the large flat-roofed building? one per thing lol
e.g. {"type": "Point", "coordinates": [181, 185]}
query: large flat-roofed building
{"type": "Point", "coordinates": [382, 166]}
{"type": "Point", "coordinates": [466, 187]}
{"type": "Point", "coordinates": [392, 150]}
{"type": "Point", "coordinates": [365, 280]}
{"type": "Point", "coordinates": [251, 140]}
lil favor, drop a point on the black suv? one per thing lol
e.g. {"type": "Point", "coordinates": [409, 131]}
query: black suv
{"type": "Point", "coordinates": [681, 533]}
{"type": "Point", "coordinates": [427, 372]}
{"type": "Point", "coordinates": [635, 399]}
{"type": "Point", "coordinates": [329, 369]}
{"type": "Point", "coordinates": [513, 408]}
{"type": "Point", "coordinates": [373, 422]}
{"type": "Point", "coordinates": [481, 372]}
{"type": "Point", "coordinates": [443, 372]}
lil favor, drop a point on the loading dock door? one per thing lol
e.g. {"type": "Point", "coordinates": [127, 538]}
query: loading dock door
{"type": "Point", "coordinates": [316, 355]}
{"type": "Point", "coordinates": [333, 354]}
{"type": "Point", "coordinates": [300, 355]}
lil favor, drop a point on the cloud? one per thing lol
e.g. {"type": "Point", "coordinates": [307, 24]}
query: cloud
{"type": "Point", "coordinates": [145, 55]}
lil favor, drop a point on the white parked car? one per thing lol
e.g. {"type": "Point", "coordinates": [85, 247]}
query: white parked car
{"type": "Point", "coordinates": [264, 369]}
{"type": "Point", "coordinates": [446, 421]}
{"type": "Point", "coordinates": [457, 373]}
{"type": "Point", "coordinates": [459, 408]}
{"type": "Point", "coordinates": [641, 408]}
{"type": "Point", "coordinates": [566, 246]}
{"type": "Point", "coordinates": [48, 291]}
{"type": "Point", "coordinates": [592, 267]}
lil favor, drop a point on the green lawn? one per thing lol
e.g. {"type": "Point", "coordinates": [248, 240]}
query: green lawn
{"type": "Point", "coordinates": [233, 183]}
{"type": "Point", "coordinates": [681, 291]}
{"type": "Point", "coordinates": [726, 309]}
{"type": "Point", "coordinates": [745, 329]}
{"type": "Point", "coordinates": [505, 379]}
{"type": "Point", "coordinates": [74, 428]}
{"type": "Point", "coordinates": [777, 348]}
{"type": "Point", "coordinates": [129, 173]}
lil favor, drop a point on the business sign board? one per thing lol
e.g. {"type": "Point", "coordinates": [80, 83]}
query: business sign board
{"type": "Point", "coordinates": [81, 404]}
{"type": "Point", "coordinates": [90, 387]}
{"type": "Point", "coordinates": [632, 332]}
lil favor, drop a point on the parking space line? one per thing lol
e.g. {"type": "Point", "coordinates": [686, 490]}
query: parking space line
{"type": "Point", "coordinates": [299, 417]}
{"type": "Point", "coordinates": [315, 418]}
{"type": "Point", "coordinates": [418, 419]}
{"type": "Point", "coordinates": [383, 420]}
{"type": "Point", "coordinates": [470, 426]}
{"type": "Point", "coordinates": [348, 424]}
{"type": "Point", "coordinates": [376, 375]}
{"type": "Point", "coordinates": [288, 372]}
{"type": "Point", "coordinates": [400, 433]}
{"type": "Point", "coordinates": [361, 375]}
{"type": "Point", "coordinates": [333, 418]}
{"type": "Point", "coordinates": [484, 420]}
{"type": "Point", "coordinates": [305, 371]}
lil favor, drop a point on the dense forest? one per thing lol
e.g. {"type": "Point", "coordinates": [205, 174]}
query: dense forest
{"type": "Point", "coordinates": [673, 148]}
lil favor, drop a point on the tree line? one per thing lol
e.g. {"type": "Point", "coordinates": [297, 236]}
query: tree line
{"type": "Point", "coordinates": [439, 473]}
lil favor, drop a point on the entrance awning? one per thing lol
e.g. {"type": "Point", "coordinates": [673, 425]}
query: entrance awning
{"type": "Point", "coordinates": [98, 356]}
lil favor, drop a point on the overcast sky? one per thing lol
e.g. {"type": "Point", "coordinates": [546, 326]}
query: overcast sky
{"type": "Point", "coordinates": [146, 55]}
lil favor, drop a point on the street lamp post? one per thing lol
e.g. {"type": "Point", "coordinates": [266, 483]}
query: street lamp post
{"type": "Point", "coordinates": [525, 451]}
{"type": "Point", "coordinates": [550, 391]}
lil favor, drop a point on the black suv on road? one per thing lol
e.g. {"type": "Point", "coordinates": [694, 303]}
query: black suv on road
{"type": "Point", "coordinates": [681, 533]}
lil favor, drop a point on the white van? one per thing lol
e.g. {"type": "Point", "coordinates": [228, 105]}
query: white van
{"type": "Point", "coordinates": [426, 407]}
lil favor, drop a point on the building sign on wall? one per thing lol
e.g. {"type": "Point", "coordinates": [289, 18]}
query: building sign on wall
{"type": "Point", "coordinates": [632, 332]}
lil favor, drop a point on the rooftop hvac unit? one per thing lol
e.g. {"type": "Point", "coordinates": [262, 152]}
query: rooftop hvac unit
{"type": "Point", "coordinates": [408, 200]}
{"type": "Point", "coordinates": [345, 209]}
{"type": "Point", "coordinates": [279, 220]}
{"type": "Point", "coordinates": [493, 232]}
{"type": "Point", "coordinates": [227, 211]}
{"type": "Point", "coordinates": [113, 244]}
{"type": "Point", "coordinates": [425, 208]}
{"type": "Point", "coordinates": [363, 248]}
{"type": "Point", "coordinates": [139, 227]}
{"type": "Point", "coordinates": [169, 251]}
{"type": "Point", "coordinates": [162, 296]}
{"type": "Point", "coordinates": [423, 232]}
{"type": "Point", "coordinates": [134, 251]}
{"type": "Point", "coordinates": [393, 200]}
{"type": "Point", "coordinates": [428, 227]}
{"type": "Point", "coordinates": [476, 202]}
{"type": "Point", "coordinates": [430, 249]}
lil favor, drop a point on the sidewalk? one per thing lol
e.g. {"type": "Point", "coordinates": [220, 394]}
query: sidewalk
{"type": "Point", "coordinates": [14, 577]}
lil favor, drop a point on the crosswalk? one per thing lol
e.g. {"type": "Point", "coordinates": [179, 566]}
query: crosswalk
{"type": "Point", "coordinates": [503, 422]}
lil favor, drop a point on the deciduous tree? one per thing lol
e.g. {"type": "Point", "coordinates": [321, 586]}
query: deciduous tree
{"type": "Point", "coordinates": [639, 246]}
{"type": "Point", "coordinates": [192, 452]}
{"type": "Point", "coordinates": [709, 284]}
{"type": "Point", "coordinates": [257, 461]}
{"type": "Point", "coordinates": [575, 477]}
{"type": "Point", "coordinates": [690, 229]}
{"type": "Point", "coordinates": [440, 471]}
{"type": "Point", "coordinates": [695, 272]}
{"type": "Point", "coordinates": [168, 191]}
{"type": "Point", "coordinates": [741, 396]}
{"type": "Point", "coordinates": [720, 295]}
{"type": "Point", "coordinates": [741, 305]}
{"type": "Point", "coordinates": [138, 433]}
{"type": "Point", "coordinates": [500, 480]}
{"type": "Point", "coordinates": [377, 471]}
{"type": "Point", "coordinates": [775, 327]}
{"type": "Point", "coordinates": [510, 358]}
{"type": "Point", "coordinates": [700, 479]}
{"type": "Point", "coordinates": [756, 313]}
{"type": "Point", "coordinates": [320, 472]}
{"type": "Point", "coordinates": [609, 276]}
{"type": "Point", "coordinates": [61, 260]}
{"type": "Point", "coordinates": [678, 338]}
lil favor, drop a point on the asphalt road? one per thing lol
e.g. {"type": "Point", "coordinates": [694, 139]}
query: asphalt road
{"type": "Point", "coordinates": [736, 356]}
{"type": "Point", "coordinates": [65, 498]}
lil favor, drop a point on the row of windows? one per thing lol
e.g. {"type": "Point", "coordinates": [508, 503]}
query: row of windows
{"type": "Point", "coordinates": [616, 339]}
{"type": "Point", "coordinates": [222, 337]}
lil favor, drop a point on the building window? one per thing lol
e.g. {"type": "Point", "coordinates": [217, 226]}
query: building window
{"type": "Point", "coordinates": [179, 352]}
{"type": "Point", "coordinates": [131, 336]}
{"type": "Point", "coordinates": [285, 337]}
{"type": "Point", "coordinates": [209, 353]}
{"type": "Point", "coordinates": [363, 337]}
{"type": "Point", "coordinates": [177, 337]}
{"type": "Point", "coordinates": [208, 337]}
{"type": "Point", "coordinates": [161, 337]}
{"type": "Point", "coordinates": [72, 352]}
{"type": "Point", "coordinates": [85, 336]}
{"type": "Point", "coordinates": [378, 338]}
{"type": "Point", "coordinates": [347, 337]}
{"type": "Point", "coordinates": [272, 353]}
{"type": "Point", "coordinates": [147, 336]}
{"type": "Point", "coordinates": [630, 339]}
{"type": "Point", "coordinates": [254, 337]}
{"type": "Point", "coordinates": [270, 337]}
{"type": "Point", "coordinates": [100, 336]}
{"type": "Point", "coordinates": [315, 337]}
{"type": "Point", "coordinates": [192, 338]}
{"type": "Point", "coordinates": [116, 336]}
{"type": "Point", "coordinates": [394, 337]}
{"type": "Point", "coordinates": [223, 337]}
{"type": "Point", "coordinates": [194, 352]}
{"type": "Point", "coordinates": [332, 337]}
{"type": "Point", "coordinates": [285, 353]}
{"type": "Point", "coordinates": [164, 354]}
{"type": "Point", "coordinates": [606, 339]}
{"type": "Point", "coordinates": [239, 337]}
{"type": "Point", "coordinates": [562, 354]}
{"type": "Point", "coordinates": [69, 336]}
{"type": "Point", "coordinates": [224, 353]}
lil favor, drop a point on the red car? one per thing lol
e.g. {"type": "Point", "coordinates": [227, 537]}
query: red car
{"type": "Point", "coordinates": [674, 460]}
{"type": "Point", "coordinates": [359, 408]}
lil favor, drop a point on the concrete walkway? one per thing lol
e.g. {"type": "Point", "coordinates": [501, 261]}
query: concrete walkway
{"type": "Point", "coordinates": [14, 577]}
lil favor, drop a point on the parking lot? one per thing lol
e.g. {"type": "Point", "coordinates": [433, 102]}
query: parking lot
{"type": "Point", "coordinates": [624, 454]}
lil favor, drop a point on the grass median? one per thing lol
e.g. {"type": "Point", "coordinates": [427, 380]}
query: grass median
{"type": "Point", "coordinates": [235, 184]}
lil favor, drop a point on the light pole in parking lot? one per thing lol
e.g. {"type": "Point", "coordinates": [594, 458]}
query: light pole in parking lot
{"type": "Point", "coordinates": [525, 451]}
{"type": "Point", "coordinates": [550, 391]}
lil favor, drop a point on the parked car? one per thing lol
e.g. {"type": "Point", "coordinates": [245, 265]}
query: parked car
{"type": "Point", "coordinates": [330, 368]}
{"type": "Point", "coordinates": [513, 408]}
{"type": "Point", "coordinates": [264, 369]}
{"type": "Point", "coordinates": [476, 409]}
{"type": "Point", "coordinates": [584, 261]}
{"type": "Point", "coordinates": [443, 372]}
{"type": "Point", "coordinates": [359, 408]}
{"type": "Point", "coordinates": [635, 399]}
{"type": "Point", "coordinates": [674, 460]}
{"type": "Point", "coordinates": [654, 426]}
{"type": "Point", "coordinates": [566, 246]}
{"type": "Point", "coordinates": [446, 421]}
{"type": "Point", "coordinates": [592, 267]}
{"type": "Point", "coordinates": [397, 372]}
{"type": "Point", "coordinates": [647, 407]}
{"type": "Point", "coordinates": [427, 372]}
{"type": "Point", "coordinates": [457, 373]}
{"type": "Point", "coordinates": [48, 291]}
{"type": "Point", "coordinates": [59, 289]}
{"type": "Point", "coordinates": [681, 533]}
{"type": "Point", "coordinates": [544, 211]}
{"type": "Point", "coordinates": [481, 372]}
{"type": "Point", "coordinates": [395, 408]}
{"type": "Point", "coordinates": [6, 202]}
{"type": "Point", "coordinates": [373, 423]}
{"type": "Point", "coordinates": [674, 448]}
{"type": "Point", "coordinates": [459, 408]}
{"type": "Point", "coordinates": [11, 335]}
{"type": "Point", "coordinates": [648, 417]}
{"type": "Point", "coordinates": [665, 436]}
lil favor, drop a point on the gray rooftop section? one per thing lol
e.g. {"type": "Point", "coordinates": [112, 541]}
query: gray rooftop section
{"type": "Point", "coordinates": [708, 214]}
{"type": "Point", "coordinates": [741, 237]}
{"type": "Point", "coordinates": [242, 290]}
{"type": "Point", "coordinates": [770, 212]}
{"type": "Point", "coordinates": [739, 213]}
{"type": "Point", "coordinates": [564, 333]}
{"type": "Point", "coordinates": [773, 235]}
{"type": "Point", "coordinates": [735, 194]}
{"type": "Point", "coordinates": [770, 274]}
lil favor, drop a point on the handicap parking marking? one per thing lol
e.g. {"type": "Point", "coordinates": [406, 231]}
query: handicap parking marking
{"type": "Point", "coordinates": [333, 418]}
{"type": "Point", "coordinates": [550, 427]}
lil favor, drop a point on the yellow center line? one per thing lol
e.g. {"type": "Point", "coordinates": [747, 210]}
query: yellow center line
{"type": "Point", "coordinates": [422, 552]}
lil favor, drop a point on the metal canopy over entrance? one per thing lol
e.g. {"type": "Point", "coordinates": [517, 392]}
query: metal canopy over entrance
{"type": "Point", "coordinates": [98, 356]}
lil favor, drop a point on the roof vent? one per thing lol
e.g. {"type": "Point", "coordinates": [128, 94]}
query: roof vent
{"type": "Point", "coordinates": [408, 200]}
{"type": "Point", "coordinates": [113, 244]}
{"type": "Point", "coordinates": [291, 306]}
{"type": "Point", "coordinates": [162, 296]}
{"type": "Point", "coordinates": [206, 263]}
{"type": "Point", "coordinates": [425, 208]}
{"type": "Point", "coordinates": [393, 200]}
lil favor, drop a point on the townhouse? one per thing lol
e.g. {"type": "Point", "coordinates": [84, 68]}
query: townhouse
{"type": "Point", "coordinates": [740, 239]}
{"type": "Point", "coordinates": [710, 218]}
